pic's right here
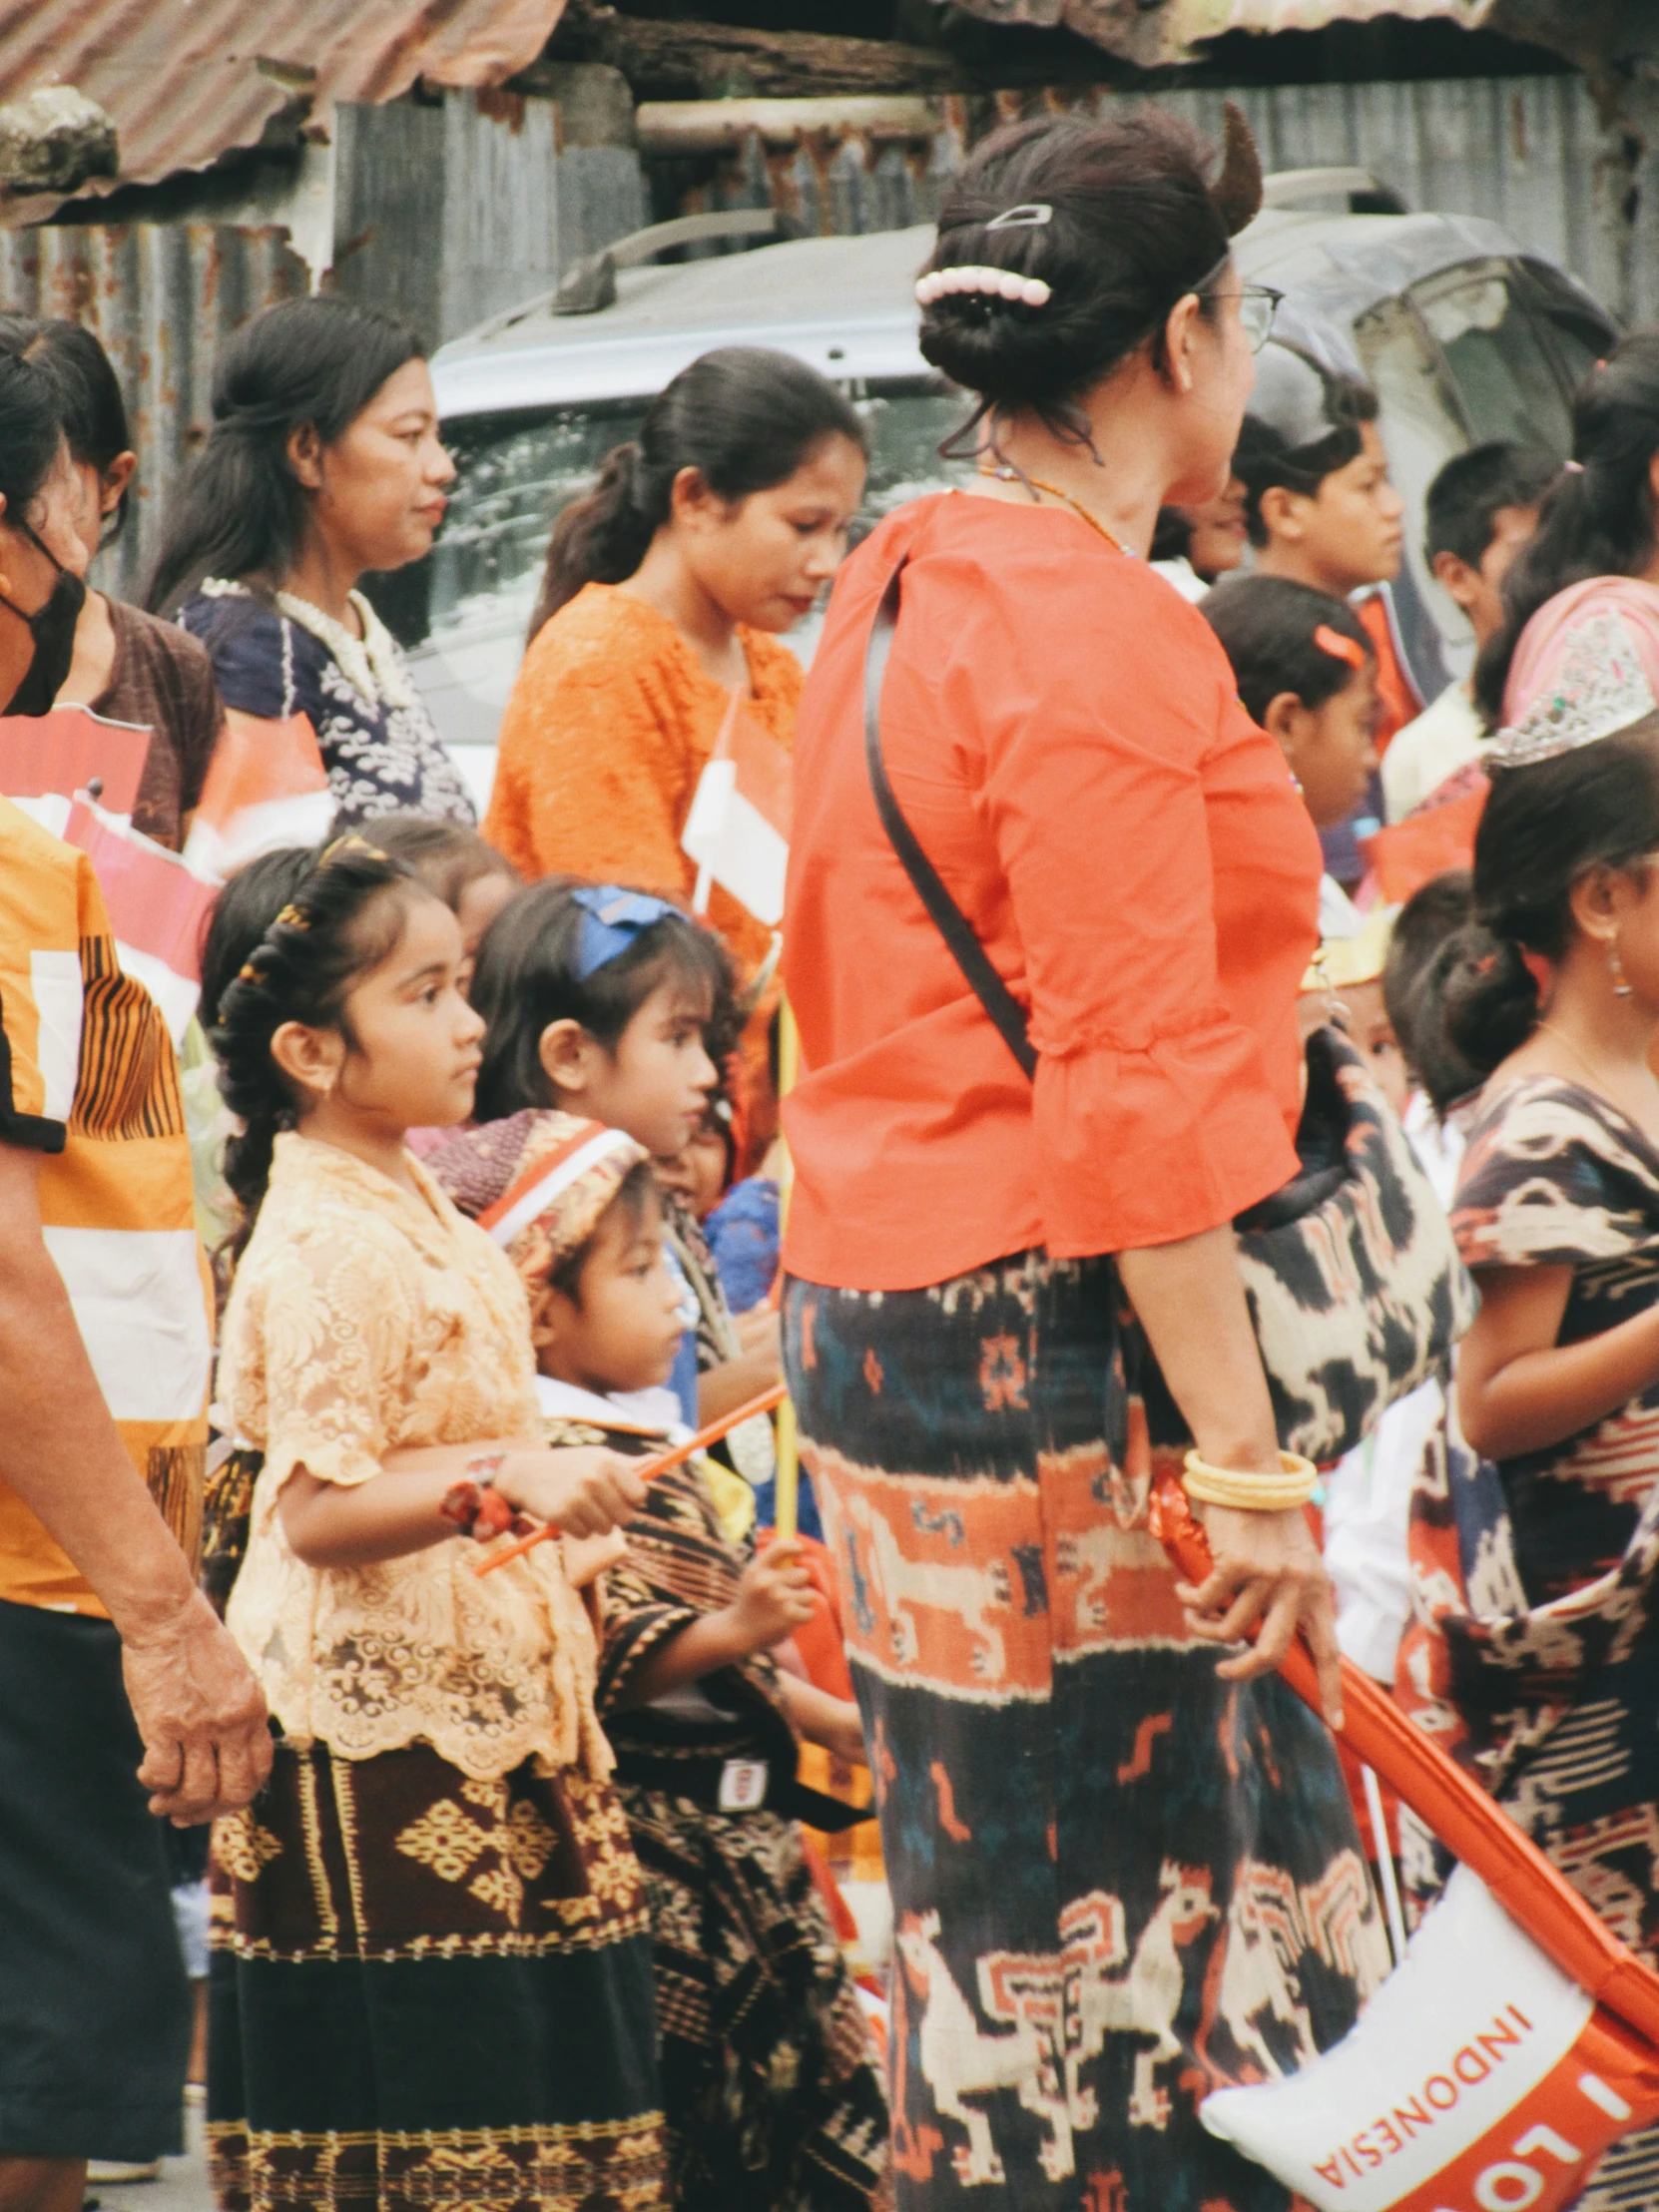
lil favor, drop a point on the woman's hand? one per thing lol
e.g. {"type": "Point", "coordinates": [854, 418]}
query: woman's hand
{"type": "Point", "coordinates": [1269, 1580]}
{"type": "Point", "coordinates": [583, 1491]}
{"type": "Point", "coordinates": [774, 1599]}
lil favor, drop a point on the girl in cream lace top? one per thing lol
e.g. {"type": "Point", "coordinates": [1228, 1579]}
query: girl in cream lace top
{"type": "Point", "coordinates": [376, 1347]}
{"type": "Point", "coordinates": [369, 1318]}
{"type": "Point", "coordinates": [440, 1839]}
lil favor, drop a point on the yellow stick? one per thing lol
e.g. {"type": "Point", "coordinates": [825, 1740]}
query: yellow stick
{"type": "Point", "coordinates": [788, 1456]}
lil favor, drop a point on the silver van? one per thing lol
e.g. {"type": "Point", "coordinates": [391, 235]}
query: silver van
{"type": "Point", "coordinates": [1465, 334]}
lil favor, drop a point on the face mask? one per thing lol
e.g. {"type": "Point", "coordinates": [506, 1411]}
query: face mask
{"type": "Point", "coordinates": [53, 630]}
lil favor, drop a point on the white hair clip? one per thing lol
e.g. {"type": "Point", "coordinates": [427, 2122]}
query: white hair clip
{"type": "Point", "coordinates": [1031, 215]}
{"type": "Point", "coordinates": [992, 283]}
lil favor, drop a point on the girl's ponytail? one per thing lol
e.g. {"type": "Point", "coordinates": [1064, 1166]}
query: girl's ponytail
{"type": "Point", "coordinates": [287, 939]}
{"type": "Point", "coordinates": [600, 539]}
{"type": "Point", "coordinates": [1598, 517]}
{"type": "Point", "coordinates": [1487, 999]}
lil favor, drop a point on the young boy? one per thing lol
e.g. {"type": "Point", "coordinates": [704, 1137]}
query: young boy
{"type": "Point", "coordinates": [1482, 510]}
{"type": "Point", "coordinates": [1321, 510]}
{"type": "Point", "coordinates": [770, 2088]}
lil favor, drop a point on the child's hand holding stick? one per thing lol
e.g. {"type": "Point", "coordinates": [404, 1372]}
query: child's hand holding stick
{"type": "Point", "coordinates": [642, 1471]}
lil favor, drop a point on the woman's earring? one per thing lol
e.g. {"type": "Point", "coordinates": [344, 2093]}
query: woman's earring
{"type": "Point", "coordinates": [1621, 989]}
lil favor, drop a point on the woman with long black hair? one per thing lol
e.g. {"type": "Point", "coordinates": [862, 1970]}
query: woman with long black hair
{"type": "Point", "coordinates": [323, 465]}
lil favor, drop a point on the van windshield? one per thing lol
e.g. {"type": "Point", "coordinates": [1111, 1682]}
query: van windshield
{"type": "Point", "coordinates": [464, 610]}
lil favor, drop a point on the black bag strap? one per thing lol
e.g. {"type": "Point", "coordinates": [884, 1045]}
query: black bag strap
{"type": "Point", "coordinates": [946, 917]}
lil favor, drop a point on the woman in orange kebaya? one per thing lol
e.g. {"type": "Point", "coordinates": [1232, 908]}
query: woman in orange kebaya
{"type": "Point", "coordinates": [665, 592]}
{"type": "Point", "coordinates": [1121, 1874]}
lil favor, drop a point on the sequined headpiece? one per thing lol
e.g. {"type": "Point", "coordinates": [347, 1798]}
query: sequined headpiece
{"type": "Point", "coordinates": [1599, 685]}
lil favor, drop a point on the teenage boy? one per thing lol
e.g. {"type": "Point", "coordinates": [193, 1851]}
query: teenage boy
{"type": "Point", "coordinates": [1321, 510]}
{"type": "Point", "coordinates": [1482, 510]}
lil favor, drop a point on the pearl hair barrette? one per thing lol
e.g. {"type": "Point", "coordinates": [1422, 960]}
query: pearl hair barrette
{"type": "Point", "coordinates": [993, 284]}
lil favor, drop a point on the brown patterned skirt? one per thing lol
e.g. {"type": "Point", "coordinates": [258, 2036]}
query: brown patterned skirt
{"type": "Point", "coordinates": [430, 1991]}
{"type": "Point", "coordinates": [769, 2080]}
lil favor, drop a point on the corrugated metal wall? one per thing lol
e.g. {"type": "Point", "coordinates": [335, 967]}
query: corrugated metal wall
{"type": "Point", "coordinates": [163, 298]}
{"type": "Point", "coordinates": [1531, 153]}
{"type": "Point", "coordinates": [448, 214]}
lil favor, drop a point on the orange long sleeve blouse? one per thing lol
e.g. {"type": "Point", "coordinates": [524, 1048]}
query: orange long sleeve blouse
{"type": "Point", "coordinates": [611, 722]}
{"type": "Point", "coordinates": [1064, 735]}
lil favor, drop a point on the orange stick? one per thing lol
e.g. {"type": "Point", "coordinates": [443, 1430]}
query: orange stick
{"type": "Point", "coordinates": [649, 1470]}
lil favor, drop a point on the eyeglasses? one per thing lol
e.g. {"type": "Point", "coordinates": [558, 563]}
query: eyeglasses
{"type": "Point", "coordinates": [1258, 304]}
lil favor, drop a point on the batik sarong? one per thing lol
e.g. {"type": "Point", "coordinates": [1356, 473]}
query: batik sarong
{"type": "Point", "coordinates": [1118, 1881]}
{"type": "Point", "coordinates": [429, 1991]}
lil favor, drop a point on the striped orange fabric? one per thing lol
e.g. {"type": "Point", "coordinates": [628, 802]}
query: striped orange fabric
{"type": "Point", "coordinates": [88, 1078]}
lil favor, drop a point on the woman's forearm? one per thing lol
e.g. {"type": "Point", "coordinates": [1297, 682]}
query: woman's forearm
{"type": "Point", "coordinates": [1539, 1398]}
{"type": "Point", "coordinates": [1189, 1298]}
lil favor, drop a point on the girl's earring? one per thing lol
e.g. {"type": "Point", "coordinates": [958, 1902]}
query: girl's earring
{"type": "Point", "coordinates": [1621, 989]}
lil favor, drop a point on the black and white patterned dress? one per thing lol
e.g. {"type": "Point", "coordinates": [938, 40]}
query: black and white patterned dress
{"type": "Point", "coordinates": [1534, 1652]}
{"type": "Point", "coordinates": [279, 656]}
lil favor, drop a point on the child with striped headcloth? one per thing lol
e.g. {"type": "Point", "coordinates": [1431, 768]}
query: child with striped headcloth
{"type": "Point", "coordinates": [770, 2083]}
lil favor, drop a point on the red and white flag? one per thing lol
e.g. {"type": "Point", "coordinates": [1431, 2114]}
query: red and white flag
{"type": "Point", "coordinates": [266, 788]}
{"type": "Point", "coordinates": [45, 758]}
{"type": "Point", "coordinates": [738, 830]}
{"type": "Point", "coordinates": [158, 907]}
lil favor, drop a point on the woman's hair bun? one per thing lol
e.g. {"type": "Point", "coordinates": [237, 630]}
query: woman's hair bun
{"type": "Point", "coordinates": [1237, 191]}
{"type": "Point", "coordinates": [1131, 224]}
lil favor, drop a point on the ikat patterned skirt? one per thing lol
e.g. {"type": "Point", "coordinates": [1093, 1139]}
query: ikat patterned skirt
{"type": "Point", "coordinates": [430, 1991]}
{"type": "Point", "coordinates": [1118, 1881]}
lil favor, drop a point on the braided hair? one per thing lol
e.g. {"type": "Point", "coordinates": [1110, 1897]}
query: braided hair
{"type": "Point", "coordinates": [289, 938]}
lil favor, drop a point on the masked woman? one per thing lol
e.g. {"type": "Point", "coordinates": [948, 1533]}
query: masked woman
{"type": "Point", "coordinates": [42, 560]}
{"type": "Point", "coordinates": [1085, 1820]}
{"type": "Point", "coordinates": [128, 666]}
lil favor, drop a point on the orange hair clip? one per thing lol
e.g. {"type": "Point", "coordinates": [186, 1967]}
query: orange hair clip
{"type": "Point", "coordinates": [1339, 648]}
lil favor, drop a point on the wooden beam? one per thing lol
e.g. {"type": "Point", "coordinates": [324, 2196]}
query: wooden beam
{"type": "Point", "coordinates": [719, 61]}
{"type": "Point", "coordinates": [677, 127]}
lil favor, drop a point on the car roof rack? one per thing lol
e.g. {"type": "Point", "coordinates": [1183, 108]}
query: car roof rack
{"type": "Point", "coordinates": [1367, 194]}
{"type": "Point", "coordinates": [589, 286]}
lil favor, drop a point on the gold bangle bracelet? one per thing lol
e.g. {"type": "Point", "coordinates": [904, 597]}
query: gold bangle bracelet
{"type": "Point", "coordinates": [1294, 1484]}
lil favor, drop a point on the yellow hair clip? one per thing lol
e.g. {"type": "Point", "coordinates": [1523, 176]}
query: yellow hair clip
{"type": "Point", "coordinates": [350, 843]}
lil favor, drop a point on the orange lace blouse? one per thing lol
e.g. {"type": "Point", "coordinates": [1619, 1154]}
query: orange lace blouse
{"type": "Point", "coordinates": [611, 722]}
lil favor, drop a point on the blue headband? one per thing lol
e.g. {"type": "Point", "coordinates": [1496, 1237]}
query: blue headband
{"type": "Point", "coordinates": [611, 919]}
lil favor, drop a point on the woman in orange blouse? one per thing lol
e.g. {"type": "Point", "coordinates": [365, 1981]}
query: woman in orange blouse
{"type": "Point", "coordinates": [665, 590]}
{"type": "Point", "coordinates": [1088, 1826]}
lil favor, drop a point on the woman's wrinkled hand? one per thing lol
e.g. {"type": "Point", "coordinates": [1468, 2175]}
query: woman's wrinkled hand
{"type": "Point", "coordinates": [1268, 1584]}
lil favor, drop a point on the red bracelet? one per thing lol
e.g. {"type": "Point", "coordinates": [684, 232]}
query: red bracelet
{"type": "Point", "coordinates": [461, 1503]}
{"type": "Point", "coordinates": [478, 1509]}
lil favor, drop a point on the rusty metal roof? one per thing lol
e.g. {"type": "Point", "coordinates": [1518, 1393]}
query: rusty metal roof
{"type": "Point", "coordinates": [188, 80]}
